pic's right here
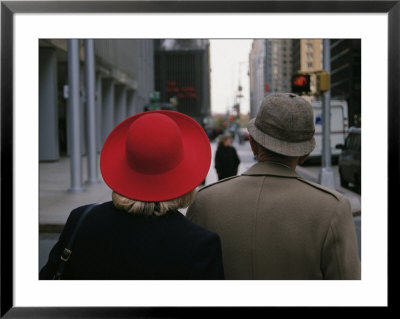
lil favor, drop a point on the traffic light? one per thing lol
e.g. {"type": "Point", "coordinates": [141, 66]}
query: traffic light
{"type": "Point", "coordinates": [301, 83]}
{"type": "Point", "coordinates": [323, 81]}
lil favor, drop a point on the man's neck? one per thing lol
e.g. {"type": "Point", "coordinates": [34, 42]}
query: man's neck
{"type": "Point", "coordinates": [289, 162]}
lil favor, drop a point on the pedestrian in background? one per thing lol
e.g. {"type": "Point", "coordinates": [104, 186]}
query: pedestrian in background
{"type": "Point", "coordinates": [226, 159]}
{"type": "Point", "coordinates": [152, 162]}
{"type": "Point", "coordinates": [274, 224]}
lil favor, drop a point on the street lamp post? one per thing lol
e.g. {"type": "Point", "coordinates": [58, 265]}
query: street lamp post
{"type": "Point", "coordinates": [326, 175]}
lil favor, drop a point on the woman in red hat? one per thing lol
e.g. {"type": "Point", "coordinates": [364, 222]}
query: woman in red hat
{"type": "Point", "coordinates": [153, 162]}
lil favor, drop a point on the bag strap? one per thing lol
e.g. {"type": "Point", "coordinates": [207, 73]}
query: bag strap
{"type": "Point", "coordinates": [66, 253]}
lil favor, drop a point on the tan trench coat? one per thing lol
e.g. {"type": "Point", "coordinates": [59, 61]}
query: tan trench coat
{"type": "Point", "coordinates": [276, 225]}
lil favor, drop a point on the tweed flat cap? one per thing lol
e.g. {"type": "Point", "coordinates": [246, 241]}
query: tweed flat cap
{"type": "Point", "coordinates": [284, 124]}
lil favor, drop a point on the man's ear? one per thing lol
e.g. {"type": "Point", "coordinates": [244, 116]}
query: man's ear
{"type": "Point", "coordinates": [302, 159]}
{"type": "Point", "coordinates": [253, 145]}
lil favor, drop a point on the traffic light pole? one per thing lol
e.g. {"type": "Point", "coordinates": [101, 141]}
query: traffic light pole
{"type": "Point", "coordinates": [326, 175]}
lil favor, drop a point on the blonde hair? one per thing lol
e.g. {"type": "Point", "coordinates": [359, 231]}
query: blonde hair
{"type": "Point", "coordinates": [148, 208]}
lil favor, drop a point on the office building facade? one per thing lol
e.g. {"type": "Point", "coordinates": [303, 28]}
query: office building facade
{"type": "Point", "coordinates": [182, 73]}
{"type": "Point", "coordinates": [271, 69]}
{"type": "Point", "coordinates": [124, 79]}
{"type": "Point", "coordinates": [346, 75]}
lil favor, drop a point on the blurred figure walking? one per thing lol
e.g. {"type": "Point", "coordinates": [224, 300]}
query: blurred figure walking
{"type": "Point", "coordinates": [226, 159]}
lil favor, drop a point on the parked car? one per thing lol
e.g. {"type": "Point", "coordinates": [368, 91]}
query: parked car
{"type": "Point", "coordinates": [350, 159]}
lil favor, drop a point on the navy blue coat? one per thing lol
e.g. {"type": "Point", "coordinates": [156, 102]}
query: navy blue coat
{"type": "Point", "coordinates": [112, 244]}
{"type": "Point", "coordinates": [226, 161]}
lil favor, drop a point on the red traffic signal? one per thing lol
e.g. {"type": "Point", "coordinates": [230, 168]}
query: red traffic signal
{"type": "Point", "coordinates": [301, 83]}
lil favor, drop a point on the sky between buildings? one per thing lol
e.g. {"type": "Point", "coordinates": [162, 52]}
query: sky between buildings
{"type": "Point", "coordinates": [229, 59]}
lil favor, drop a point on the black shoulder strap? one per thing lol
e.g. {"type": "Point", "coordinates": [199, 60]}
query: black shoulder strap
{"type": "Point", "coordinates": [66, 253]}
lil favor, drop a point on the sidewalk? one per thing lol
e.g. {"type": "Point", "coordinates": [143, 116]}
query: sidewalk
{"type": "Point", "coordinates": [355, 199]}
{"type": "Point", "coordinates": [56, 203]}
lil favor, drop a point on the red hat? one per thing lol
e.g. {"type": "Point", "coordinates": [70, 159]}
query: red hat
{"type": "Point", "coordinates": [155, 156]}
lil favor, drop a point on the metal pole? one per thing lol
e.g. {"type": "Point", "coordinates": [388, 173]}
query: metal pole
{"type": "Point", "coordinates": [326, 175]}
{"type": "Point", "coordinates": [91, 112]}
{"type": "Point", "coordinates": [99, 108]}
{"type": "Point", "coordinates": [74, 117]}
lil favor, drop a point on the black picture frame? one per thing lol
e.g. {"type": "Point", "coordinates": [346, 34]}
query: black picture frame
{"type": "Point", "coordinates": [9, 8]}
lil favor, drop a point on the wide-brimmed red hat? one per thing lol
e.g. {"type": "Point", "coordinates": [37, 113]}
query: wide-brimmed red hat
{"type": "Point", "coordinates": [155, 156]}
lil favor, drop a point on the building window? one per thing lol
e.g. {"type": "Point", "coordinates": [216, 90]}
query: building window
{"type": "Point", "coordinates": [309, 55]}
{"type": "Point", "coordinates": [309, 65]}
{"type": "Point", "coordinates": [309, 46]}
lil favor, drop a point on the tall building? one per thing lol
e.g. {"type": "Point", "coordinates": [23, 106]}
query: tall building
{"type": "Point", "coordinates": [124, 79]}
{"type": "Point", "coordinates": [271, 69]}
{"type": "Point", "coordinates": [278, 65]}
{"type": "Point", "coordinates": [182, 73]}
{"type": "Point", "coordinates": [346, 75]}
{"type": "Point", "coordinates": [256, 72]}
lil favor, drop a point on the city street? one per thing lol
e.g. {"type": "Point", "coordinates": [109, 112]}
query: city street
{"type": "Point", "coordinates": [310, 172]}
{"type": "Point", "coordinates": [125, 77]}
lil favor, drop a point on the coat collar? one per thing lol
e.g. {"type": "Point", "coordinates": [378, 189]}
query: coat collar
{"type": "Point", "coordinates": [271, 168]}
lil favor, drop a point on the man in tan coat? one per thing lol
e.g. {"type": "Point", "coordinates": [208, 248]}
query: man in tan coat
{"type": "Point", "coordinates": [274, 224]}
